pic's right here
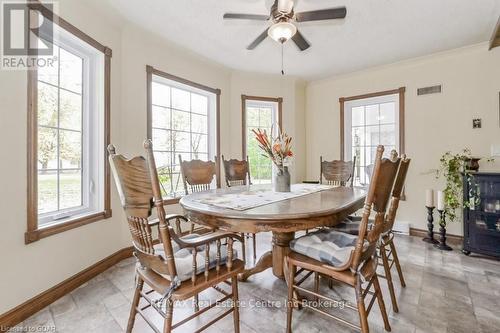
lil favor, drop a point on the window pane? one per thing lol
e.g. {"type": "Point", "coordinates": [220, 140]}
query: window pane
{"type": "Point", "coordinates": [358, 116]}
{"type": "Point", "coordinates": [358, 136]}
{"type": "Point", "coordinates": [199, 143]}
{"type": "Point", "coordinates": [163, 160]}
{"type": "Point", "coordinates": [70, 186]}
{"type": "Point", "coordinates": [70, 114]}
{"type": "Point", "coordinates": [47, 191]}
{"type": "Point", "coordinates": [70, 149]}
{"type": "Point", "coordinates": [165, 178]}
{"type": "Point", "coordinates": [181, 142]}
{"type": "Point", "coordinates": [161, 117]}
{"type": "Point", "coordinates": [177, 185]}
{"type": "Point", "coordinates": [47, 105]}
{"type": "Point", "coordinates": [252, 117]}
{"type": "Point", "coordinates": [371, 114]}
{"type": "Point", "coordinates": [161, 140]}
{"type": "Point", "coordinates": [160, 94]}
{"type": "Point", "coordinates": [180, 99]}
{"type": "Point", "coordinates": [200, 156]}
{"type": "Point", "coordinates": [50, 74]}
{"type": "Point", "coordinates": [372, 135]}
{"type": "Point", "coordinates": [266, 118]}
{"type": "Point", "coordinates": [199, 104]}
{"type": "Point", "coordinates": [199, 123]}
{"type": "Point", "coordinates": [47, 148]}
{"type": "Point", "coordinates": [388, 113]}
{"type": "Point", "coordinates": [180, 121]}
{"type": "Point", "coordinates": [387, 135]}
{"type": "Point", "coordinates": [71, 71]}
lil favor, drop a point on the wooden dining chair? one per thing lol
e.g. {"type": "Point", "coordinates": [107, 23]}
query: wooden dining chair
{"type": "Point", "coordinates": [351, 259]}
{"type": "Point", "coordinates": [178, 268]}
{"type": "Point", "coordinates": [387, 249]}
{"type": "Point", "coordinates": [237, 173]}
{"type": "Point", "coordinates": [197, 176]}
{"type": "Point", "coordinates": [339, 173]}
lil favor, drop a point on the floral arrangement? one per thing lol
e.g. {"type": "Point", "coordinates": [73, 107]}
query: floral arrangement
{"type": "Point", "coordinates": [278, 149]}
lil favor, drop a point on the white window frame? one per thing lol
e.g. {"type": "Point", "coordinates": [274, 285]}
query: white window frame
{"type": "Point", "coordinates": [213, 119]}
{"type": "Point", "coordinates": [96, 179]}
{"type": "Point", "coordinates": [257, 102]}
{"type": "Point", "coordinates": [92, 131]}
{"type": "Point", "coordinates": [348, 103]}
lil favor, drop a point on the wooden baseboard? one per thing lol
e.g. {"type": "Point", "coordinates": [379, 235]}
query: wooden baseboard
{"type": "Point", "coordinates": [37, 303]}
{"type": "Point", "coordinates": [450, 238]}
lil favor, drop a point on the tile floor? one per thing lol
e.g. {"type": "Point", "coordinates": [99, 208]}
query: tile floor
{"type": "Point", "coordinates": [446, 292]}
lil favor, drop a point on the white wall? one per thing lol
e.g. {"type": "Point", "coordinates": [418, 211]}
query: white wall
{"type": "Point", "coordinates": [434, 123]}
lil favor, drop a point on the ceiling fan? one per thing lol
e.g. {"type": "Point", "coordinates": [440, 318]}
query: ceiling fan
{"type": "Point", "coordinates": [283, 18]}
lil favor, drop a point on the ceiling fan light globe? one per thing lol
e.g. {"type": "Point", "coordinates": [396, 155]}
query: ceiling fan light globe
{"type": "Point", "coordinates": [282, 31]}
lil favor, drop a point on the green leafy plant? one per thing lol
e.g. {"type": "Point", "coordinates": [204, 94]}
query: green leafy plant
{"type": "Point", "coordinates": [451, 168]}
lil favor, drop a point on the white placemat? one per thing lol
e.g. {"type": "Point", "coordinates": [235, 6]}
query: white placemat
{"type": "Point", "coordinates": [251, 198]}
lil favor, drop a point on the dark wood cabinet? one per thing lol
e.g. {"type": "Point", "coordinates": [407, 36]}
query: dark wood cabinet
{"type": "Point", "coordinates": [482, 217]}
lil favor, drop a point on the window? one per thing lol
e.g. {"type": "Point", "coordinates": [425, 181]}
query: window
{"type": "Point", "coordinates": [183, 119]}
{"type": "Point", "coordinates": [68, 134]}
{"type": "Point", "coordinates": [258, 112]}
{"type": "Point", "coordinates": [368, 121]}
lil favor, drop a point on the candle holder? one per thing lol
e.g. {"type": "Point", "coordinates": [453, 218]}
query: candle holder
{"type": "Point", "coordinates": [442, 231]}
{"type": "Point", "coordinates": [430, 226]}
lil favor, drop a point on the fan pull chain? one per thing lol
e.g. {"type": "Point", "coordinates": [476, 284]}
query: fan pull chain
{"type": "Point", "coordinates": [282, 70]}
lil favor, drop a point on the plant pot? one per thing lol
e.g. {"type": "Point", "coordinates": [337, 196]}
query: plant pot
{"type": "Point", "coordinates": [472, 164]}
{"type": "Point", "coordinates": [281, 181]}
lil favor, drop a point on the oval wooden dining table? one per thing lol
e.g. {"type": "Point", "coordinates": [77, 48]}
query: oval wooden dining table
{"type": "Point", "coordinates": [283, 218]}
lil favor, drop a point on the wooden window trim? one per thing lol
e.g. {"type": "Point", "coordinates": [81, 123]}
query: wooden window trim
{"type": "Point", "coordinates": [34, 233]}
{"type": "Point", "coordinates": [244, 99]}
{"type": "Point", "coordinates": [400, 91]}
{"type": "Point", "coordinates": [150, 71]}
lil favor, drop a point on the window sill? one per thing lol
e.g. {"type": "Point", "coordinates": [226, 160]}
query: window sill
{"type": "Point", "coordinates": [35, 235]}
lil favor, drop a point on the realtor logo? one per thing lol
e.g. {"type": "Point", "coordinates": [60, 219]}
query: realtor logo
{"type": "Point", "coordinates": [27, 28]}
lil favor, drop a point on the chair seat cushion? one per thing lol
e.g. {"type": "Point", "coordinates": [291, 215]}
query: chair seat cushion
{"type": "Point", "coordinates": [184, 259]}
{"type": "Point", "coordinates": [327, 245]}
{"type": "Point", "coordinates": [348, 226]}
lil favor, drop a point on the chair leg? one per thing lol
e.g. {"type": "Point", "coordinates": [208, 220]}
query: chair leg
{"type": "Point", "coordinates": [388, 277]}
{"type": "Point", "coordinates": [196, 303]}
{"type": "Point", "coordinates": [360, 300]}
{"type": "Point", "coordinates": [236, 306]}
{"type": "Point", "coordinates": [289, 303]}
{"type": "Point", "coordinates": [330, 283]}
{"type": "Point", "coordinates": [243, 247]}
{"type": "Point", "coordinates": [254, 248]}
{"type": "Point", "coordinates": [316, 285]}
{"type": "Point", "coordinates": [167, 327]}
{"type": "Point", "coordinates": [381, 304]}
{"type": "Point", "coordinates": [396, 262]}
{"type": "Point", "coordinates": [135, 304]}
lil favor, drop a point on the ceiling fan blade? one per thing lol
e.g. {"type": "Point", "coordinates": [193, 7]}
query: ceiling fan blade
{"type": "Point", "coordinates": [323, 14]}
{"type": "Point", "coordinates": [229, 16]}
{"type": "Point", "coordinates": [300, 41]}
{"type": "Point", "coordinates": [258, 40]}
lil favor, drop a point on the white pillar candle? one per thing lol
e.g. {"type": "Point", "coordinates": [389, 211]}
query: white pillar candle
{"type": "Point", "coordinates": [440, 200]}
{"type": "Point", "coordinates": [429, 198]}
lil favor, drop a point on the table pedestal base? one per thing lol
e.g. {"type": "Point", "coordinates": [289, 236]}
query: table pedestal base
{"type": "Point", "coordinates": [274, 258]}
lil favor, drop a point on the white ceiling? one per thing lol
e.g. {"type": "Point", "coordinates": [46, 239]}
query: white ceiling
{"type": "Point", "coordinates": [375, 32]}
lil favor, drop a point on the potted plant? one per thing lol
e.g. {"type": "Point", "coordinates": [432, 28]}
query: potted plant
{"type": "Point", "coordinates": [279, 150]}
